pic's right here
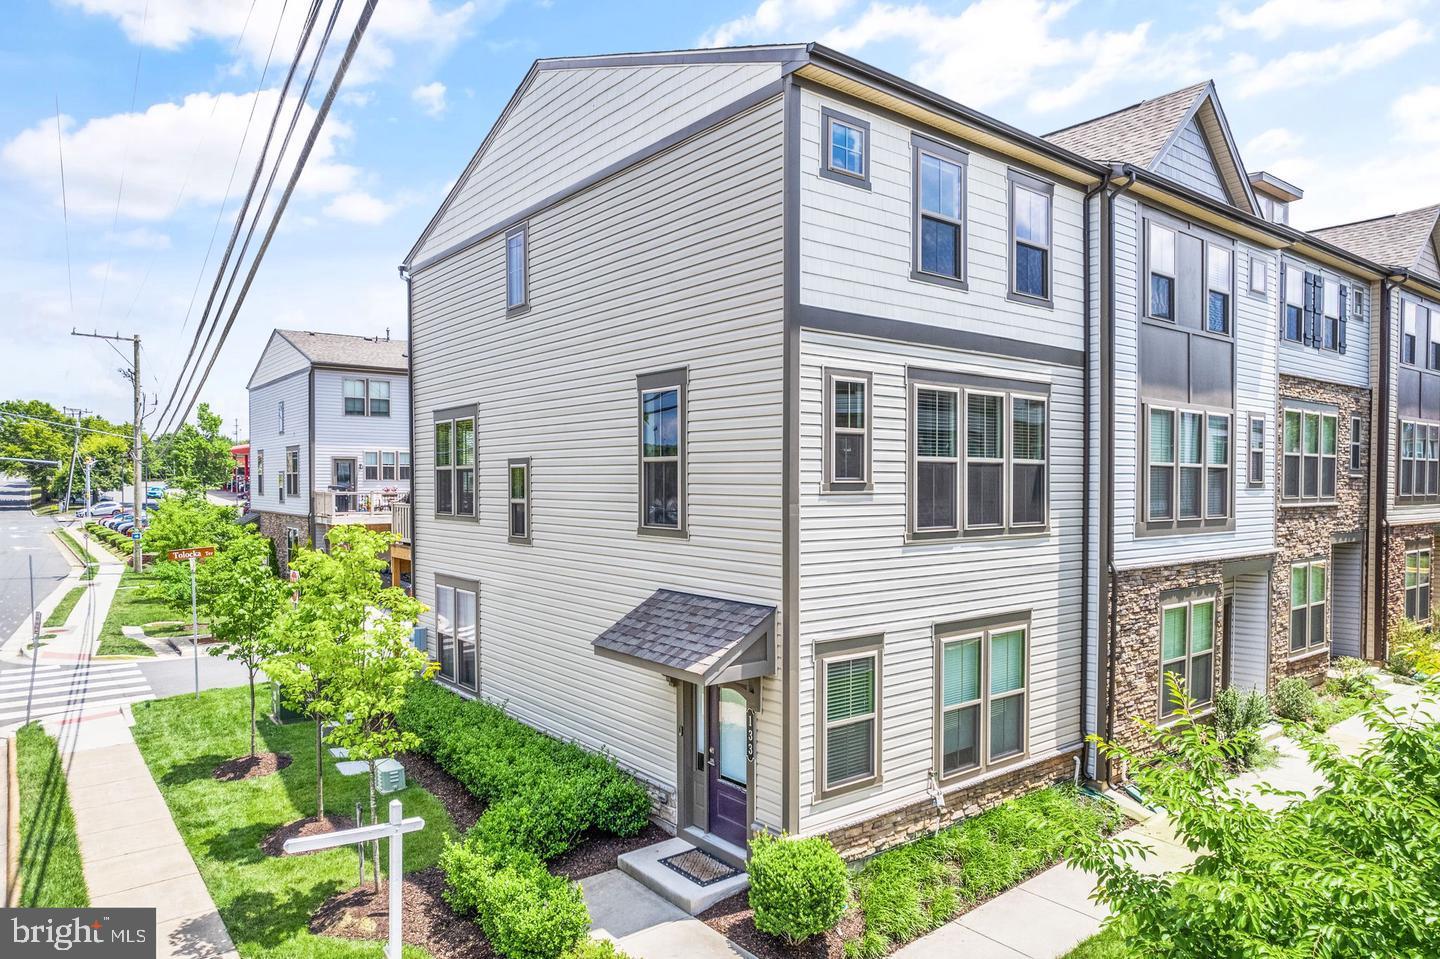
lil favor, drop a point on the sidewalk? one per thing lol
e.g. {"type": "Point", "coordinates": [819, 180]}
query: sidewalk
{"type": "Point", "coordinates": [645, 926]}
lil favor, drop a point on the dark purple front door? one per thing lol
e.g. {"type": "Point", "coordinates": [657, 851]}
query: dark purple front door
{"type": "Point", "coordinates": [727, 766]}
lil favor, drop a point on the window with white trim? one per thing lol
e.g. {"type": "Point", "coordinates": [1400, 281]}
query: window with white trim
{"type": "Point", "coordinates": [1259, 275]}
{"type": "Point", "coordinates": [292, 472]}
{"type": "Point", "coordinates": [371, 462]}
{"type": "Point", "coordinates": [1310, 454]}
{"type": "Point", "coordinates": [1419, 464]}
{"type": "Point", "coordinates": [848, 422]}
{"type": "Point", "coordinates": [1187, 474]}
{"type": "Point", "coordinates": [517, 265]}
{"type": "Point", "coordinates": [1417, 585]}
{"type": "Point", "coordinates": [662, 456]}
{"type": "Point", "coordinates": [404, 456]}
{"type": "Point", "coordinates": [983, 715]}
{"type": "Point", "coordinates": [1357, 444]}
{"type": "Point", "coordinates": [378, 392]}
{"type": "Point", "coordinates": [387, 464]}
{"type": "Point", "coordinates": [1331, 313]}
{"type": "Point", "coordinates": [454, 465]}
{"type": "Point", "coordinates": [1294, 302]}
{"type": "Point", "coordinates": [260, 472]}
{"type": "Point", "coordinates": [354, 394]}
{"type": "Point", "coordinates": [1307, 605]}
{"type": "Point", "coordinates": [519, 511]}
{"type": "Point", "coordinates": [456, 648]}
{"type": "Point", "coordinates": [1187, 651]}
{"type": "Point", "coordinates": [849, 718]}
{"type": "Point", "coordinates": [1255, 474]}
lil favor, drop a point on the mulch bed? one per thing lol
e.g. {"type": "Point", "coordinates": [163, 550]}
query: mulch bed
{"type": "Point", "coordinates": [595, 854]}
{"type": "Point", "coordinates": [274, 843]}
{"type": "Point", "coordinates": [428, 922]}
{"type": "Point", "coordinates": [250, 767]}
{"type": "Point", "coordinates": [459, 802]}
{"type": "Point", "coordinates": [735, 920]}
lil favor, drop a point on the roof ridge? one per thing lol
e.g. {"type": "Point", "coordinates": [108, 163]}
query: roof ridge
{"type": "Point", "coordinates": [1433, 208]}
{"type": "Point", "coordinates": [1126, 109]}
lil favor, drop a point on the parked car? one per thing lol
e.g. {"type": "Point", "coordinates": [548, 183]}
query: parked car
{"type": "Point", "coordinates": [152, 504]}
{"type": "Point", "coordinates": [105, 508]}
{"type": "Point", "coordinates": [125, 528]}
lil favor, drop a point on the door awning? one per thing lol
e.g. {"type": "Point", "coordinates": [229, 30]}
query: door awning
{"type": "Point", "coordinates": [700, 639]}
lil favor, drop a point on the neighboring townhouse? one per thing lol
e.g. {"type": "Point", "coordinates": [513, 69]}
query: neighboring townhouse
{"type": "Point", "coordinates": [329, 435]}
{"type": "Point", "coordinates": [1406, 359]}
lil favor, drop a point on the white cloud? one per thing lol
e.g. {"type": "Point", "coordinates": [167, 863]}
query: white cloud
{"type": "Point", "coordinates": [773, 19]}
{"type": "Point", "coordinates": [1304, 68]}
{"type": "Point", "coordinates": [357, 206]}
{"type": "Point", "coordinates": [140, 238]}
{"type": "Point", "coordinates": [1417, 114]}
{"type": "Point", "coordinates": [1274, 18]}
{"type": "Point", "coordinates": [431, 98]}
{"type": "Point", "coordinates": [1277, 141]}
{"type": "Point", "coordinates": [156, 147]}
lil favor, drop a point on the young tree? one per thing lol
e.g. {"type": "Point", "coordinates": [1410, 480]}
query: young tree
{"type": "Point", "coordinates": [348, 654]}
{"type": "Point", "coordinates": [1351, 872]}
{"type": "Point", "coordinates": [243, 599]}
{"type": "Point", "coordinates": [196, 457]}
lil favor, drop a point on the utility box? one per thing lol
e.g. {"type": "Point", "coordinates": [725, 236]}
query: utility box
{"type": "Point", "coordinates": [389, 776]}
{"type": "Point", "coordinates": [279, 712]}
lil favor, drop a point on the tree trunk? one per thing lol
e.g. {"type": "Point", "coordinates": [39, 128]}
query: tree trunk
{"type": "Point", "coordinates": [252, 713]}
{"type": "Point", "coordinates": [319, 769]}
{"type": "Point", "coordinates": [373, 810]}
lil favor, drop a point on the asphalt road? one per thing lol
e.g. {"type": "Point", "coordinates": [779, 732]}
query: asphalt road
{"type": "Point", "coordinates": [23, 536]}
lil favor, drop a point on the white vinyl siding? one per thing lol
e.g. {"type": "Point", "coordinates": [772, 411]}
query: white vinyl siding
{"type": "Point", "coordinates": [350, 437]}
{"type": "Point", "coordinates": [1190, 163]}
{"type": "Point", "coordinates": [268, 444]}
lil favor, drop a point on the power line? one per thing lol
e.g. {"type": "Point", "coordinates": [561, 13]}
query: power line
{"type": "Point", "coordinates": [68, 426]}
{"type": "Point", "coordinates": [125, 160]}
{"type": "Point", "coordinates": [314, 134]}
{"type": "Point", "coordinates": [64, 204]}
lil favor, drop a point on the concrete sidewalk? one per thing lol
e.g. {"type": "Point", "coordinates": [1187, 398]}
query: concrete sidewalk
{"type": "Point", "coordinates": [645, 926]}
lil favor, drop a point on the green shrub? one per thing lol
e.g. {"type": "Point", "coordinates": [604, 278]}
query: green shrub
{"type": "Point", "coordinates": [524, 911]}
{"type": "Point", "coordinates": [798, 887]}
{"type": "Point", "coordinates": [1238, 718]}
{"type": "Point", "coordinates": [1294, 700]}
{"type": "Point", "coordinates": [595, 949]}
{"type": "Point", "coordinates": [1413, 649]}
{"type": "Point", "coordinates": [544, 823]}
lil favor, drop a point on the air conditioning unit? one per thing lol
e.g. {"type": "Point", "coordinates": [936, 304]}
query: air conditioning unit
{"type": "Point", "coordinates": [420, 638]}
{"type": "Point", "coordinates": [389, 776]}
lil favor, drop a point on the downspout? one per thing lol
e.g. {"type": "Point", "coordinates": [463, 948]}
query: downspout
{"type": "Point", "coordinates": [1380, 441]}
{"type": "Point", "coordinates": [410, 402]}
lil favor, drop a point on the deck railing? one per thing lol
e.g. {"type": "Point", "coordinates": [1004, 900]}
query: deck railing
{"type": "Point", "coordinates": [400, 521]}
{"type": "Point", "coordinates": [337, 507]}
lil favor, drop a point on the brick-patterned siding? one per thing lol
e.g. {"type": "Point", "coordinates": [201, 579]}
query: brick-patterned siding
{"type": "Point", "coordinates": [1304, 532]}
{"type": "Point", "coordinates": [902, 825]}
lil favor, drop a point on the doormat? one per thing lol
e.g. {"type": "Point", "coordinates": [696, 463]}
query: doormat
{"type": "Point", "coordinates": [700, 867]}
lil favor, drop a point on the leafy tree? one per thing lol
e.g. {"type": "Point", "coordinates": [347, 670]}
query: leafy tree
{"type": "Point", "coordinates": [197, 457]}
{"type": "Point", "coordinates": [243, 599]}
{"type": "Point", "coordinates": [32, 439]}
{"type": "Point", "coordinates": [1351, 872]}
{"type": "Point", "coordinates": [180, 522]}
{"type": "Point", "coordinates": [347, 649]}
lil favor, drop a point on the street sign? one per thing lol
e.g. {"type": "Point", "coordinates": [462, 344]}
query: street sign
{"type": "Point", "coordinates": [294, 576]}
{"type": "Point", "coordinates": [191, 552]}
{"type": "Point", "coordinates": [135, 535]}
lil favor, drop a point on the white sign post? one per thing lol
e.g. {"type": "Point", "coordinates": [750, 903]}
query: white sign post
{"type": "Point", "coordinates": [392, 830]}
{"type": "Point", "coordinates": [192, 554]}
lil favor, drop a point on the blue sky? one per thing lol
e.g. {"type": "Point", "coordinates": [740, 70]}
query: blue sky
{"type": "Point", "coordinates": [1340, 97]}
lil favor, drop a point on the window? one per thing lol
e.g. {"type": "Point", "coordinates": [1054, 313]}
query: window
{"type": "Point", "coordinates": [1410, 332]}
{"type": "Point", "coordinates": [404, 465]}
{"type": "Point", "coordinates": [1357, 444]}
{"type": "Point", "coordinates": [1434, 325]}
{"type": "Point", "coordinates": [1030, 229]}
{"type": "Point", "coordinates": [1220, 284]}
{"type": "Point", "coordinates": [1417, 584]}
{"type": "Point", "coordinates": [845, 154]}
{"type": "Point", "coordinates": [517, 267]}
{"type": "Point", "coordinates": [1160, 249]}
{"type": "Point", "coordinates": [519, 485]}
{"type": "Point", "coordinates": [937, 460]}
{"type": "Point", "coordinates": [1332, 309]}
{"type": "Point", "coordinates": [1294, 303]}
{"type": "Point", "coordinates": [455, 619]}
{"type": "Point", "coordinates": [292, 542]}
{"type": "Point", "coordinates": [454, 462]}
{"type": "Point", "coordinates": [260, 472]}
{"type": "Point", "coordinates": [662, 453]}
{"type": "Point", "coordinates": [1259, 275]}
{"type": "Point", "coordinates": [1310, 455]}
{"type": "Point", "coordinates": [292, 471]}
{"type": "Point", "coordinates": [1357, 305]}
{"type": "Point", "coordinates": [379, 398]}
{"type": "Point", "coordinates": [850, 718]}
{"type": "Point", "coordinates": [939, 227]}
{"type": "Point", "coordinates": [387, 465]}
{"type": "Point", "coordinates": [1028, 461]}
{"type": "Point", "coordinates": [280, 416]}
{"type": "Point", "coordinates": [372, 466]}
{"type": "Point", "coordinates": [1187, 467]}
{"type": "Point", "coordinates": [1255, 475]}
{"type": "Point", "coordinates": [847, 415]}
{"type": "Point", "coordinates": [982, 698]}
{"type": "Point", "coordinates": [354, 391]}
{"type": "Point", "coordinates": [1307, 605]}
{"type": "Point", "coordinates": [984, 460]}
{"type": "Point", "coordinates": [1419, 460]}
{"type": "Point", "coordinates": [1187, 651]}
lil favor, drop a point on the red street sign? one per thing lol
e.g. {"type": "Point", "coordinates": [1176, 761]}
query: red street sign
{"type": "Point", "coordinates": [294, 576]}
{"type": "Point", "coordinates": [193, 552]}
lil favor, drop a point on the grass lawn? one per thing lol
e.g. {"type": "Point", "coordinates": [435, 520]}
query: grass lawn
{"type": "Point", "coordinates": [133, 608]}
{"type": "Point", "coordinates": [175, 630]}
{"type": "Point", "coordinates": [50, 872]}
{"type": "Point", "coordinates": [61, 612]}
{"type": "Point", "coordinates": [80, 554]}
{"type": "Point", "coordinates": [1109, 944]}
{"type": "Point", "coordinates": [266, 901]}
{"type": "Point", "coordinates": [908, 891]}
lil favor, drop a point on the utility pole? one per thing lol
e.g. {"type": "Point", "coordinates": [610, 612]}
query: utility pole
{"type": "Point", "coordinates": [74, 455]}
{"type": "Point", "coordinates": [133, 375]}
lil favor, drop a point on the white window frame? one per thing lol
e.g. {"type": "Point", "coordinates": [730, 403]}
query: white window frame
{"type": "Point", "coordinates": [957, 460]}
{"type": "Point", "coordinates": [370, 463]}
{"type": "Point", "coordinates": [1259, 269]}
{"type": "Point", "coordinates": [1255, 474]}
{"type": "Point", "coordinates": [371, 398]}
{"type": "Point", "coordinates": [872, 650]}
{"type": "Point", "coordinates": [833, 483]}
{"type": "Point", "coordinates": [1420, 586]}
{"type": "Point", "coordinates": [402, 468]}
{"type": "Point", "coordinates": [523, 501]}
{"type": "Point", "coordinates": [1190, 654]}
{"type": "Point", "coordinates": [1357, 445]}
{"type": "Point", "coordinates": [345, 397]}
{"type": "Point", "coordinates": [292, 471]}
{"type": "Point", "coordinates": [1330, 312]}
{"type": "Point", "coordinates": [1310, 644]}
{"type": "Point", "coordinates": [946, 638]}
{"type": "Point", "coordinates": [1294, 296]}
{"type": "Point", "coordinates": [387, 471]}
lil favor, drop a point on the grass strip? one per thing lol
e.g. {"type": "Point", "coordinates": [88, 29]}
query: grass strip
{"type": "Point", "coordinates": [62, 611]}
{"type": "Point", "coordinates": [80, 553]}
{"type": "Point", "coordinates": [266, 901]}
{"type": "Point", "coordinates": [51, 874]}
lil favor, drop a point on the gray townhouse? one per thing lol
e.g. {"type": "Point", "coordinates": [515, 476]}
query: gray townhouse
{"type": "Point", "coordinates": [329, 435]}
{"type": "Point", "coordinates": [838, 458]}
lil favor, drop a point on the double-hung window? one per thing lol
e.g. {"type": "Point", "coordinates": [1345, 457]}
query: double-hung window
{"type": "Point", "coordinates": [372, 466]}
{"type": "Point", "coordinates": [939, 212]}
{"type": "Point", "coordinates": [984, 460]}
{"type": "Point", "coordinates": [260, 472]}
{"type": "Point", "coordinates": [1357, 444]}
{"type": "Point", "coordinates": [1417, 584]}
{"type": "Point", "coordinates": [1160, 255]}
{"type": "Point", "coordinates": [517, 269]}
{"type": "Point", "coordinates": [1028, 460]}
{"type": "Point", "coordinates": [1188, 457]}
{"type": "Point", "coordinates": [1307, 605]}
{"type": "Point", "coordinates": [292, 472]}
{"type": "Point", "coordinates": [454, 462]}
{"type": "Point", "coordinates": [1311, 450]}
{"type": "Point", "coordinates": [519, 486]}
{"type": "Point", "coordinates": [387, 465]}
{"type": "Point", "coordinates": [847, 427]}
{"type": "Point", "coordinates": [379, 393]}
{"type": "Point", "coordinates": [1259, 275]}
{"type": "Point", "coordinates": [1220, 285]}
{"type": "Point", "coordinates": [662, 452]}
{"type": "Point", "coordinates": [1031, 202]}
{"type": "Point", "coordinates": [404, 457]}
{"type": "Point", "coordinates": [1409, 332]}
{"type": "Point", "coordinates": [1294, 303]}
{"type": "Point", "coordinates": [849, 698]}
{"type": "Point", "coordinates": [937, 459]}
{"type": "Point", "coordinates": [1331, 314]}
{"type": "Point", "coordinates": [1419, 460]}
{"type": "Point", "coordinates": [455, 641]}
{"type": "Point", "coordinates": [354, 397]}
{"type": "Point", "coordinates": [1255, 474]}
{"type": "Point", "coordinates": [845, 153]}
{"type": "Point", "coordinates": [982, 697]}
{"type": "Point", "coordinates": [1187, 651]}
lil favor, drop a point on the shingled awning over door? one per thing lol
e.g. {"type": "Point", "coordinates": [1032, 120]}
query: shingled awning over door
{"type": "Point", "coordinates": [701, 639]}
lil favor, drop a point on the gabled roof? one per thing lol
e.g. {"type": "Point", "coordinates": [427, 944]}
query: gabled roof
{"type": "Point", "coordinates": [1142, 134]}
{"type": "Point", "coordinates": [342, 349]}
{"type": "Point", "coordinates": [1398, 239]}
{"type": "Point", "coordinates": [702, 639]}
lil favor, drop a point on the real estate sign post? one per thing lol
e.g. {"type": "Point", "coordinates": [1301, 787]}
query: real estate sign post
{"type": "Point", "coordinates": [193, 553]}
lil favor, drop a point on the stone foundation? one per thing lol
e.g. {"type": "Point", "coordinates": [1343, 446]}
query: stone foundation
{"type": "Point", "coordinates": [899, 826]}
{"type": "Point", "coordinates": [1400, 539]}
{"type": "Point", "coordinates": [1306, 532]}
{"type": "Point", "coordinates": [274, 525]}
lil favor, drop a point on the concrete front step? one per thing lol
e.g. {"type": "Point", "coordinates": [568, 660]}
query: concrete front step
{"type": "Point", "coordinates": [644, 866]}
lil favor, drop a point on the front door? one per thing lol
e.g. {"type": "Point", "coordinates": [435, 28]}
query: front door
{"type": "Point", "coordinates": [344, 483]}
{"type": "Point", "coordinates": [727, 766]}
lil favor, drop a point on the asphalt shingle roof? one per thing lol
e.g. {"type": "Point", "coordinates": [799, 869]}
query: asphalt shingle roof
{"type": "Point", "coordinates": [683, 631]}
{"type": "Point", "coordinates": [1134, 134]}
{"type": "Point", "coordinates": [340, 349]}
{"type": "Point", "coordinates": [1394, 240]}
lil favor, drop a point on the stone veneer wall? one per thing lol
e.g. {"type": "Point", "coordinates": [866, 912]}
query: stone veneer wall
{"type": "Point", "coordinates": [918, 819]}
{"type": "Point", "coordinates": [1402, 538]}
{"type": "Point", "coordinates": [274, 525]}
{"type": "Point", "coordinates": [1307, 532]}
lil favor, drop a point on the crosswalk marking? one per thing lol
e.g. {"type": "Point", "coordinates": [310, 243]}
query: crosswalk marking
{"type": "Point", "coordinates": [70, 691]}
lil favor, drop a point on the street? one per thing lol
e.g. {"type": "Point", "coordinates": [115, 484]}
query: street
{"type": "Point", "coordinates": [25, 536]}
